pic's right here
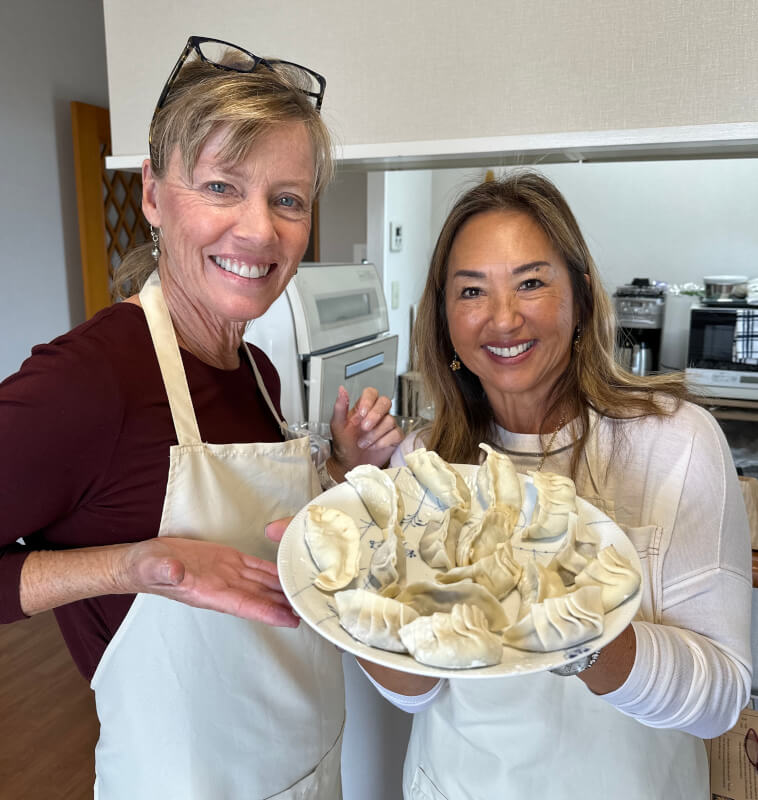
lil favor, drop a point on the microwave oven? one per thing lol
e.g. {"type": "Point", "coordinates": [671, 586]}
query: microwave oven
{"type": "Point", "coordinates": [712, 367]}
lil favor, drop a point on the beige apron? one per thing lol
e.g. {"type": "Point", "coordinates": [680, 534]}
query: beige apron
{"type": "Point", "coordinates": [547, 736]}
{"type": "Point", "coordinates": [543, 743]}
{"type": "Point", "coordinates": [199, 705]}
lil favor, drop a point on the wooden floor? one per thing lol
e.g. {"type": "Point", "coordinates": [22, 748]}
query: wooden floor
{"type": "Point", "coordinates": [48, 725]}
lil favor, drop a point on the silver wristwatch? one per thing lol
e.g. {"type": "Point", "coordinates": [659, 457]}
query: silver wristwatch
{"type": "Point", "coordinates": [575, 667]}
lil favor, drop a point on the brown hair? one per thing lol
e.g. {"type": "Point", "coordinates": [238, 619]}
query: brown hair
{"type": "Point", "coordinates": [593, 378]}
{"type": "Point", "coordinates": [204, 99]}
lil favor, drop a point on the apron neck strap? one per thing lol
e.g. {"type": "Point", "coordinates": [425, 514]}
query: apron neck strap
{"type": "Point", "coordinates": [169, 360]}
{"type": "Point", "coordinates": [172, 370]}
{"type": "Point", "coordinates": [262, 387]}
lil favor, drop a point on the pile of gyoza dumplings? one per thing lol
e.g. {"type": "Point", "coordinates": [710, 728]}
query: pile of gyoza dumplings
{"type": "Point", "coordinates": [458, 620]}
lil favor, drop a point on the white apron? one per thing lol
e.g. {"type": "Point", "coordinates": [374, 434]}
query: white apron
{"type": "Point", "coordinates": [549, 731]}
{"type": "Point", "coordinates": [199, 705]}
{"type": "Point", "coordinates": [542, 744]}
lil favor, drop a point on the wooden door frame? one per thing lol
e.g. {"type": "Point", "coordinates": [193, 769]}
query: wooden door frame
{"type": "Point", "coordinates": [91, 129]}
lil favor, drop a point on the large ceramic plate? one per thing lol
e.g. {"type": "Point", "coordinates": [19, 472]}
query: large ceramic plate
{"type": "Point", "coordinates": [318, 609]}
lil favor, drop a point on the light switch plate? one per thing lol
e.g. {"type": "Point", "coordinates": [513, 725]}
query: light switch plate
{"type": "Point", "coordinates": [396, 237]}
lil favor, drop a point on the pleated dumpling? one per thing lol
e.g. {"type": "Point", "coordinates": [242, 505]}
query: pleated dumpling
{"type": "Point", "coordinates": [387, 566]}
{"type": "Point", "coordinates": [333, 541]}
{"type": "Point", "coordinates": [426, 597]}
{"type": "Point", "coordinates": [536, 584]}
{"type": "Point", "coordinates": [614, 574]}
{"type": "Point", "coordinates": [497, 481]}
{"type": "Point", "coordinates": [379, 494]}
{"type": "Point", "coordinates": [497, 572]}
{"type": "Point", "coordinates": [556, 498]}
{"type": "Point", "coordinates": [481, 535]}
{"type": "Point", "coordinates": [373, 619]}
{"type": "Point", "coordinates": [459, 639]}
{"type": "Point", "coordinates": [438, 541]}
{"type": "Point", "coordinates": [586, 539]}
{"type": "Point", "coordinates": [559, 622]}
{"type": "Point", "coordinates": [577, 551]}
{"type": "Point", "coordinates": [436, 475]}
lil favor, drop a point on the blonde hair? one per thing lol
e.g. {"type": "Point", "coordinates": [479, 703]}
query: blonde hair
{"type": "Point", "coordinates": [204, 99]}
{"type": "Point", "coordinates": [592, 380]}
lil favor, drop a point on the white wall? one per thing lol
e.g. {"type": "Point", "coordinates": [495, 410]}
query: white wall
{"type": "Point", "coordinates": [444, 70]}
{"type": "Point", "coordinates": [673, 221]}
{"type": "Point", "coordinates": [50, 53]}
{"type": "Point", "coordinates": [405, 198]}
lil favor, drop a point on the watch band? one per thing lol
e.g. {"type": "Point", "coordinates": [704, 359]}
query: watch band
{"type": "Point", "coordinates": [575, 667]}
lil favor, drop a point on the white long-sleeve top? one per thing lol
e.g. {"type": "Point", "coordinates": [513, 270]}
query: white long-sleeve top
{"type": "Point", "coordinates": [670, 483]}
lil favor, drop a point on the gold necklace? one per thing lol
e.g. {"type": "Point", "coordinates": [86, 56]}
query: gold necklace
{"type": "Point", "coordinates": [546, 450]}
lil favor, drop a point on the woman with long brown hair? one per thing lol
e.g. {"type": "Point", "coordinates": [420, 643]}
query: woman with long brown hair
{"type": "Point", "coordinates": [514, 338]}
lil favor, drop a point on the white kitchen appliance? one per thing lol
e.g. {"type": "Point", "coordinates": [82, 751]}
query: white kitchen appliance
{"type": "Point", "coordinates": [640, 308]}
{"type": "Point", "coordinates": [328, 328]}
{"type": "Point", "coordinates": [714, 366]}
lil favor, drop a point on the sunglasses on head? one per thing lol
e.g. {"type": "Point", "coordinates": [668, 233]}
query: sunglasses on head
{"type": "Point", "coordinates": [231, 58]}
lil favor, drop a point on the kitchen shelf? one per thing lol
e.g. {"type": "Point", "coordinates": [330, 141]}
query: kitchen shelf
{"type": "Point", "coordinates": [730, 408]}
{"type": "Point", "coordinates": [721, 140]}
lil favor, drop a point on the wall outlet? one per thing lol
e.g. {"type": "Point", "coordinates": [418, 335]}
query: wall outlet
{"type": "Point", "coordinates": [396, 237]}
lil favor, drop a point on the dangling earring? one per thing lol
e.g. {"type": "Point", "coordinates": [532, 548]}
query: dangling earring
{"type": "Point", "coordinates": [455, 364]}
{"type": "Point", "coordinates": [577, 336]}
{"type": "Point", "coordinates": [156, 251]}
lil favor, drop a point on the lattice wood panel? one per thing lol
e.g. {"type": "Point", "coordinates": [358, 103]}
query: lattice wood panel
{"type": "Point", "coordinates": [125, 226]}
{"type": "Point", "coordinates": [110, 219]}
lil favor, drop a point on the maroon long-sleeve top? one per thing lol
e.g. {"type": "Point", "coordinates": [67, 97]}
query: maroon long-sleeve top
{"type": "Point", "coordinates": [85, 432]}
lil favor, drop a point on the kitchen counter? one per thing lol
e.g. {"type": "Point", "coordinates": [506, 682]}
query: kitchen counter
{"type": "Point", "coordinates": [727, 408]}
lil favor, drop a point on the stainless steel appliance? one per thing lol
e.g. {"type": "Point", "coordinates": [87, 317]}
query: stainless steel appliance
{"type": "Point", "coordinates": [676, 329]}
{"type": "Point", "coordinates": [329, 328]}
{"type": "Point", "coordinates": [714, 366]}
{"type": "Point", "coordinates": [640, 309]}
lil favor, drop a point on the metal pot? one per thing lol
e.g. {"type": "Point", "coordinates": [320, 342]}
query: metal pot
{"type": "Point", "coordinates": [725, 287]}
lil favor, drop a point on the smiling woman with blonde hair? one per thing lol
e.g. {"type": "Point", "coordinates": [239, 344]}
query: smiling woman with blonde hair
{"type": "Point", "coordinates": [144, 453]}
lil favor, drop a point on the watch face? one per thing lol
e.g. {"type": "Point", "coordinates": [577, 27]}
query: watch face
{"type": "Point", "coordinates": [575, 667]}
